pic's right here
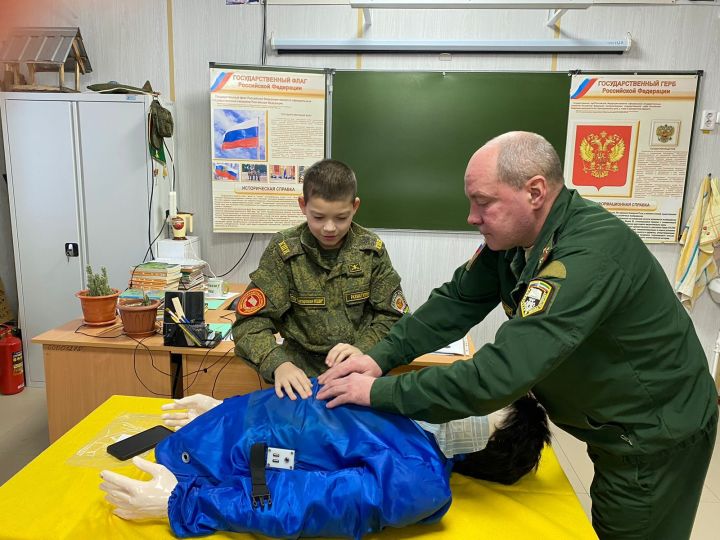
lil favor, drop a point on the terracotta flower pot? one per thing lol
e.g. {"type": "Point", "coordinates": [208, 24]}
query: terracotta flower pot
{"type": "Point", "coordinates": [98, 310]}
{"type": "Point", "coordinates": [138, 320]}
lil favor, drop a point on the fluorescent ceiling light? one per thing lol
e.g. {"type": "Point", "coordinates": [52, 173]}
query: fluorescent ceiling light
{"type": "Point", "coordinates": [617, 46]}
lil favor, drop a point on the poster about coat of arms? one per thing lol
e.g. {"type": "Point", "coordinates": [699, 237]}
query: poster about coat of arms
{"type": "Point", "coordinates": [627, 147]}
{"type": "Point", "coordinates": [267, 127]}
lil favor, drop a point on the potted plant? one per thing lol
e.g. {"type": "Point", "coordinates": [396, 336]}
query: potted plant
{"type": "Point", "coordinates": [139, 316]}
{"type": "Point", "coordinates": [99, 300]}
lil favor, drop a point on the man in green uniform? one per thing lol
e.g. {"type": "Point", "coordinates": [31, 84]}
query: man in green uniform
{"type": "Point", "coordinates": [327, 286]}
{"type": "Point", "coordinates": [594, 331]}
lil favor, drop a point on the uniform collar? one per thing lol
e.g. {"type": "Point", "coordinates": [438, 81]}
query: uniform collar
{"type": "Point", "coordinates": [545, 242]}
{"type": "Point", "coordinates": [312, 247]}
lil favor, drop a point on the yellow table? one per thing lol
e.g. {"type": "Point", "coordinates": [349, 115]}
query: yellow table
{"type": "Point", "coordinates": [51, 499]}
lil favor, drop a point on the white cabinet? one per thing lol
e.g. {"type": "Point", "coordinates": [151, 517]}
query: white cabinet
{"type": "Point", "coordinates": [78, 172]}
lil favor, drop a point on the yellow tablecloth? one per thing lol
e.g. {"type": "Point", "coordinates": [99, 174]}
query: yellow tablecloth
{"type": "Point", "coordinates": [51, 499]}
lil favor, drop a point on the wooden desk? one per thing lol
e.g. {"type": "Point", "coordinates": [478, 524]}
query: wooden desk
{"type": "Point", "coordinates": [85, 366]}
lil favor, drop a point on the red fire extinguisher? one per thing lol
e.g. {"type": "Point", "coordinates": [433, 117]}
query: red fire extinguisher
{"type": "Point", "coordinates": [12, 377]}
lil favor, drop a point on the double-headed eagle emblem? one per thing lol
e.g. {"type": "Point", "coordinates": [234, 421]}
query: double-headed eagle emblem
{"type": "Point", "coordinates": [665, 133]}
{"type": "Point", "coordinates": [600, 153]}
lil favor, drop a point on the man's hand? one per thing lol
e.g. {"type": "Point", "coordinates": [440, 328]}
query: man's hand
{"type": "Point", "coordinates": [138, 499]}
{"type": "Point", "coordinates": [363, 364]}
{"type": "Point", "coordinates": [192, 406]}
{"type": "Point", "coordinates": [355, 388]}
{"type": "Point", "coordinates": [289, 377]}
{"type": "Point", "coordinates": [340, 352]}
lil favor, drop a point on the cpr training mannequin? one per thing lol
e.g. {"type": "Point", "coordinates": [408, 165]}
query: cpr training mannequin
{"type": "Point", "coordinates": [356, 470]}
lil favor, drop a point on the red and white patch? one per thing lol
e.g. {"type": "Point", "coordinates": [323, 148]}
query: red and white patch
{"type": "Point", "coordinates": [251, 302]}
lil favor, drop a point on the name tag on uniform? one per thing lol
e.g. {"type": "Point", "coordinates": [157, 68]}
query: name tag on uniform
{"type": "Point", "coordinates": [356, 297]}
{"type": "Point", "coordinates": [307, 301]}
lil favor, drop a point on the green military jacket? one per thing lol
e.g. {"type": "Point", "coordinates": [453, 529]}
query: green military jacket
{"type": "Point", "coordinates": [315, 301]}
{"type": "Point", "coordinates": [594, 330]}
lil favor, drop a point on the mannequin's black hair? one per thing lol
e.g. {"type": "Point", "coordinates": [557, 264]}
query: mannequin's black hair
{"type": "Point", "coordinates": [514, 448]}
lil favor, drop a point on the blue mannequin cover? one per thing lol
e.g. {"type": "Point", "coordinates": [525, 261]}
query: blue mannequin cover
{"type": "Point", "coordinates": [356, 470]}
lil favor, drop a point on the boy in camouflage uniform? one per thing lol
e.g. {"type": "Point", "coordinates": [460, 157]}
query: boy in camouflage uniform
{"type": "Point", "coordinates": [327, 286]}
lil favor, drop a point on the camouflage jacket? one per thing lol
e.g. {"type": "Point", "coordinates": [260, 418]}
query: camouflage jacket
{"type": "Point", "coordinates": [315, 303]}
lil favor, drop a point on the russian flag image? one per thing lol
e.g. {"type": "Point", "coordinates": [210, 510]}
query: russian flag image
{"type": "Point", "coordinates": [223, 172]}
{"type": "Point", "coordinates": [220, 81]}
{"type": "Point", "coordinates": [584, 88]}
{"type": "Point", "coordinates": [244, 135]}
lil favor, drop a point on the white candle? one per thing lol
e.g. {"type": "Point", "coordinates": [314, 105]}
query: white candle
{"type": "Point", "coordinates": [172, 204]}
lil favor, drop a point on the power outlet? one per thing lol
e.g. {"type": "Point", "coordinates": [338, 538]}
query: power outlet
{"type": "Point", "coordinates": [707, 120]}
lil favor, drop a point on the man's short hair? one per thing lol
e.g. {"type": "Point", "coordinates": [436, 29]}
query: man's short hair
{"type": "Point", "coordinates": [331, 180]}
{"type": "Point", "coordinates": [514, 448]}
{"type": "Point", "coordinates": [523, 155]}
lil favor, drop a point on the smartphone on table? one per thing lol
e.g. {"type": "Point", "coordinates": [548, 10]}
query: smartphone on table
{"type": "Point", "coordinates": [139, 443]}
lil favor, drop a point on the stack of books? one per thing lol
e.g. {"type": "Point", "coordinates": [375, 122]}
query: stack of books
{"type": "Point", "coordinates": [192, 272]}
{"type": "Point", "coordinates": [192, 276]}
{"type": "Point", "coordinates": [138, 294]}
{"type": "Point", "coordinates": [155, 276]}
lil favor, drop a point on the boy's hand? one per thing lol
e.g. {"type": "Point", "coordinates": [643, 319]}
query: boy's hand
{"type": "Point", "coordinates": [289, 377]}
{"type": "Point", "coordinates": [340, 352]}
{"type": "Point", "coordinates": [363, 364]}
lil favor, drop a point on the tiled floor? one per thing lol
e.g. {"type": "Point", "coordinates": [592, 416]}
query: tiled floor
{"type": "Point", "coordinates": [23, 435]}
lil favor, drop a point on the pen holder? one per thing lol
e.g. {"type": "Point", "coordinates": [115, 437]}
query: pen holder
{"type": "Point", "coordinates": [193, 306]}
{"type": "Point", "coordinates": [174, 335]}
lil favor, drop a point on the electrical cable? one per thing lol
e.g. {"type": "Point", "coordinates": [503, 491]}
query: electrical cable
{"type": "Point", "coordinates": [150, 242]}
{"type": "Point", "coordinates": [202, 369]}
{"type": "Point", "coordinates": [238, 261]}
{"type": "Point", "coordinates": [139, 343]}
{"type": "Point", "coordinates": [263, 50]}
{"type": "Point", "coordinates": [152, 363]}
{"type": "Point", "coordinates": [173, 163]}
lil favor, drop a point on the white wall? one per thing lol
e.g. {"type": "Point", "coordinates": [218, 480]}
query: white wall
{"type": "Point", "coordinates": [127, 41]}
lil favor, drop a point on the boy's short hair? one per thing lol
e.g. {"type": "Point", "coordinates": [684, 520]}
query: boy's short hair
{"type": "Point", "coordinates": [331, 180]}
{"type": "Point", "coordinates": [514, 449]}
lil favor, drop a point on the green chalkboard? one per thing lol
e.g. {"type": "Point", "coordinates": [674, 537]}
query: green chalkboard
{"type": "Point", "coordinates": [409, 135]}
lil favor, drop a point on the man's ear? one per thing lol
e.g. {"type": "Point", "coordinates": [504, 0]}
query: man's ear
{"type": "Point", "coordinates": [301, 204]}
{"type": "Point", "coordinates": [356, 204]}
{"type": "Point", "coordinates": [536, 188]}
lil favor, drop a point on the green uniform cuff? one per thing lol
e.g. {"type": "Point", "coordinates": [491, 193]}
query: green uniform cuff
{"type": "Point", "coordinates": [383, 355]}
{"type": "Point", "coordinates": [381, 393]}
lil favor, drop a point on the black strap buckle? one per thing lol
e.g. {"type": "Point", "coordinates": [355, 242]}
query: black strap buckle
{"type": "Point", "coordinates": [260, 492]}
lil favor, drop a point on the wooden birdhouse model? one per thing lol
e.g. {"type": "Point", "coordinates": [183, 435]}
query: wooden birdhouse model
{"type": "Point", "coordinates": [29, 51]}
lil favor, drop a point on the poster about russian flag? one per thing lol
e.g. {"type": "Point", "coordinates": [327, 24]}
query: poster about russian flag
{"type": "Point", "coordinates": [267, 127]}
{"type": "Point", "coordinates": [628, 144]}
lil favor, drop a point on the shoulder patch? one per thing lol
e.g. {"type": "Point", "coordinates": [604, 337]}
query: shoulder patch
{"type": "Point", "coordinates": [284, 249]}
{"type": "Point", "coordinates": [372, 243]}
{"type": "Point", "coordinates": [537, 297]}
{"type": "Point", "coordinates": [399, 303]}
{"type": "Point", "coordinates": [289, 247]}
{"type": "Point", "coordinates": [471, 262]}
{"type": "Point", "coordinates": [555, 269]}
{"type": "Point", "coordinates": [251, 302]}
{"type": "Point", "coordinates": [354, 269]}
